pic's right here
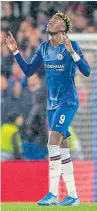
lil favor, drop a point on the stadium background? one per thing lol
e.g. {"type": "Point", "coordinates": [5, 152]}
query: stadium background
{"type": "Point", "coordinates": [27, 21]}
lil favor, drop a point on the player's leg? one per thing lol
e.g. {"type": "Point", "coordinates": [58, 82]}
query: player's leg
{"type": "Point", "coordinates": [62, 120]}
{"type": "Point", "coordinates": [55, 139]}
{"type": "Point", "coordinates": [54, 161]}
{"type": "Point", "coordinates": [67, 168]}
{"type": "Point", "coordinates": [68, 174]}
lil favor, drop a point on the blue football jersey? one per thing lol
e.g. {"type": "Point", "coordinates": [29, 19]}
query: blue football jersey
{"type": "Point", "coordinates": [60, 69]}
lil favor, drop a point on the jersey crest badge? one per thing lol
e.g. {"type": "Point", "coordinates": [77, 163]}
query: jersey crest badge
{"type": "Point", "coordinates": [59, 56]}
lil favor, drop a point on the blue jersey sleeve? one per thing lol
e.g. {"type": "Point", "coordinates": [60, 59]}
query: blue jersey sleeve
{"type": "Point", "coordinates": [30, 68]}
{"type": "Point", "coordinates": [82, 64]}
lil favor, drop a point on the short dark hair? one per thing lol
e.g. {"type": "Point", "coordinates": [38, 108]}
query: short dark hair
{"type": "Point", "coordinates": [66, 20]}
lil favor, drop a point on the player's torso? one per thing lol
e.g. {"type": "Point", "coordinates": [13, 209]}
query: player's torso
{"type": "Point", "coordinates": [60, 70]}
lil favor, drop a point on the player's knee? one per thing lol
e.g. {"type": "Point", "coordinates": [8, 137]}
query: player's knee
{"type": "Point", "coordinates": [55, 138]}
{"type": "Point", "coordinates": [65, 143]}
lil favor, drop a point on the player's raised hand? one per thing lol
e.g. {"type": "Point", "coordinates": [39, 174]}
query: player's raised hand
{"type": "Point", "coordinates": [67, 43]}
{"type": "Point", "coordinates": [11, 43]}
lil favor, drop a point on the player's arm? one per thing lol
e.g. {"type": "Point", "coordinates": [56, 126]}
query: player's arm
{"type": "Point", "coordinates": [77, 56]}
{"type": "Point", "coordinates": [28, 69]}
{"type": "Point", "coordinates": [80, 61]}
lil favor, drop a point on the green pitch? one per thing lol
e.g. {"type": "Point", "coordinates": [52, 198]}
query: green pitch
{"type": "Point", "coordinates": [35, 207]}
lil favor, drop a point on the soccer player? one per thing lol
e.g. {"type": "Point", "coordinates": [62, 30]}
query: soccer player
{"type": "Point", "coordinates": [61, 58]}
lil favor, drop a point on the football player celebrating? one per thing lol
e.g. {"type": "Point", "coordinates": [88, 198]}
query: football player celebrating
{"type": "Point", "coordinates": [61, 59]}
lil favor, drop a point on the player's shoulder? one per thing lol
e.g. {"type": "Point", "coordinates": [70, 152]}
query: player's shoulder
{"type": "Point", "coordinates": [75, 45]}
{"type": "Point", "coordinates": [43, 46]}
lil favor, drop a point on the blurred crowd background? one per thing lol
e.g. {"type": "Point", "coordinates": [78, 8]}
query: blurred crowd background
{"type": "Point", "coordinates": [23, 101]}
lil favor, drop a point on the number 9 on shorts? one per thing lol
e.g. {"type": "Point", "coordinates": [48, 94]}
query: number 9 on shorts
{"type": "Point", "coordinates": [62, 119]}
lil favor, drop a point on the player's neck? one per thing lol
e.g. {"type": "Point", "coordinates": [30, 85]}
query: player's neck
{"type": "Point", "coordinates": [55, 40]}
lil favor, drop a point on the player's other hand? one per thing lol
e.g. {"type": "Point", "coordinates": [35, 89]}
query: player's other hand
{"type": "Point", "coordinates": [11, 43]}
{"type": "Point", "coordinates": [64, 40]}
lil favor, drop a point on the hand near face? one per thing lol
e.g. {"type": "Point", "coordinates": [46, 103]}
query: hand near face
{"type": "Point", "coordinates": [67, 43]}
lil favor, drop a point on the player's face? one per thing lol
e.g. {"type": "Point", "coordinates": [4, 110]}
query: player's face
{"type": "Point", "coordinates": [55, 25]}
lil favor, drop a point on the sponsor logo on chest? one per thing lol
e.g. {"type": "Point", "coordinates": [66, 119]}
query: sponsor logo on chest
{"type": "Point", "coordinates": [58, 67]}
